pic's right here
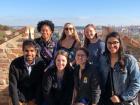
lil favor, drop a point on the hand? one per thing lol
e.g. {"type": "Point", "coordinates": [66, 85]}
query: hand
{"type": "Point", "coordinates": [32, 102]}
{"type": "Point", "coordinates": [115, 99]}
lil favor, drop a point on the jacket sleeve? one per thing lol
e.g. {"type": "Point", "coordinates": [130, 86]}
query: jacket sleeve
{"type": "Point", "coordinates": [39, 95]}
{"type": "Point", "coordinates": [95, 87]}
{"type": "Point", "coordinates": [134, 79]}
{"type": "Point", "coordinates": [68, 90]}
{"type": "Point", "coordinates": [13, 91]}
{"type": "Point", "coordinates": [46, 84]}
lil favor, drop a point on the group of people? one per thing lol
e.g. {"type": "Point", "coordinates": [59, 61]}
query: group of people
{"type": "Point", "coordinates": [67, 73]}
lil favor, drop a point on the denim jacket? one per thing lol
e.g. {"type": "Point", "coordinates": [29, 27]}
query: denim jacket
{"type": "Point", "coordinates": [126, 82]}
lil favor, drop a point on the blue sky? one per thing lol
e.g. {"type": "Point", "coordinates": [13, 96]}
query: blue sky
{"type": "Point", "coordinates": [79, 12]}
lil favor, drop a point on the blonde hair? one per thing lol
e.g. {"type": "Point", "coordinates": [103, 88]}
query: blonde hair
{"type": "Point", "coordinates": [74, 35]}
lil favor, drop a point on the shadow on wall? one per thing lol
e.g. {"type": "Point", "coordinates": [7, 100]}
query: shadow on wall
{"type": "Point", "coordinates": [4, 99]}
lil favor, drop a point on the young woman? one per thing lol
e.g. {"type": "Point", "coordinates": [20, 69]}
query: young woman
{"type": "Point", "coordinates": [58, 81]}
{"type": "Point", "coordinates": [69, 41]}
{"type": "Point", "coordinates": [87, 89]}
{"type": "Point", "coordinates": [45, 43]}
{"type": "Point", "coordinates": [120, 75]}
{"type": "Point", "coordinates": [94, 45]}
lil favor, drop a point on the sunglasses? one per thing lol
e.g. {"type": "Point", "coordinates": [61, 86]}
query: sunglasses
{"type": "Point", "coordinates": [69, 29]}
{"type": "Point", "coordinates": [114, 43]}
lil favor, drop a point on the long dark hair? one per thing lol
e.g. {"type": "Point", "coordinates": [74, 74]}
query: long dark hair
{"type": "Point", "coordinates": [120, 51]}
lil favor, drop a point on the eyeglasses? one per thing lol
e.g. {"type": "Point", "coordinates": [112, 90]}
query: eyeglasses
{"type": "Point", "coordinates": [81, 55]}
{"type": "Point", "coordinates": [114, 43]}
{"type": "Point", "coordinates": [68, 29]}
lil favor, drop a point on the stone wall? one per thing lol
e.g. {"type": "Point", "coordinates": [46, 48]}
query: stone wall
{"type": "Point", "coordinates": [8, 51]}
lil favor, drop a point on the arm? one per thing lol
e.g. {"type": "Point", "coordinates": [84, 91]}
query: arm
{"type": "Point", "coordinates": [46, 85]}
{"type": "Point", "coordinates": [95, 88]}
{"type": "Point", "coordinates": [68, 88]}
{"type": "Point", "coordinates": [40, 68]}
{"type": "Point", "coordinates": [102, 47]}
{"type": "Point", "coordinates": [134, 79]}
{"type": "Point", "coordinates": [13, 85]}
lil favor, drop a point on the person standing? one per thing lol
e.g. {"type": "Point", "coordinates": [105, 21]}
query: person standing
{"type": "Point", "coordinates": [45, 43]}
{"type": "Point", "coordinates": [94, 45]}
{"type": "Point", "coordinates": [119, 72]}
{"type": "Point", "coordinates": [25, 76]}
{"type": "Point", "coordinates": [69, 41]}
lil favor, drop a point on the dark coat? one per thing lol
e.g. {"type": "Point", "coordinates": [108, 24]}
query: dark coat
{"type": "Point", "coordinates": [22, 86]}
{"type": "Point", "coordinates": [54, 95]}
{"type": "Point", "coordinates": [88, 87]}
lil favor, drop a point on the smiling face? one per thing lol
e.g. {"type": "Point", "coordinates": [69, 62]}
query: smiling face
{"type": "Point", "coordinates": [90, 32]}
{"type": "Point", "coordinates": [61, 62]}
{"type": "Point", "coordinates": [46, 32]}
{"type": "Point", "coordinates": [29, 53]}
{"type": "Point", "coordinates": [81, 57]}
{"type": "Point", "coordinates": [69, 30]}
{"type": "Point", "coordinates": [113, 45]}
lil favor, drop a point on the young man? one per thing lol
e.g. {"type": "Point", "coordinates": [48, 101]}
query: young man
{"type": "Point", "coordinates": [25, 76]}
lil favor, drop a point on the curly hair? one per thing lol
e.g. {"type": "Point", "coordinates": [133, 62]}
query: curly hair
{"type": "Point", "coordinates": [45, 22]}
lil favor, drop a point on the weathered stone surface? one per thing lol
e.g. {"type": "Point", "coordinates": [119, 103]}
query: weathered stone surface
{"type": "Point", "coordinates": [2, 82]}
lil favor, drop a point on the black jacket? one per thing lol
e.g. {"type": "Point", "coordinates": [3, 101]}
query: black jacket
{"type": "Point", "coordinates": [22, 86]}
{"type": "Point", "coordinates": [54, 95]}
{"type": "Point", "coordinates": [88, 87]}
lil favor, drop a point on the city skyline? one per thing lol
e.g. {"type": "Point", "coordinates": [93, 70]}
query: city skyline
{"type": "Point", "coordinates": [79, 12]}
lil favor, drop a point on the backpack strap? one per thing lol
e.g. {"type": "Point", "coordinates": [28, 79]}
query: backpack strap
{"type": "Point", "coordinates": [73, 45]}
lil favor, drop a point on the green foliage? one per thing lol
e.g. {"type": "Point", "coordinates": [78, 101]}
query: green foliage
{"type": "Point", "coordinates": [4, 27]}
{"type": "Point", "coordinates": [2, 34]}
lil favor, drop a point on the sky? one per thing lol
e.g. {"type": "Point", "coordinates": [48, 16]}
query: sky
{"type": "Point", "coordinates": [78, 12]}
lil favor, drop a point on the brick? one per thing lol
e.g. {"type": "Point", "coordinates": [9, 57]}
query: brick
{"type": "Point", "coordinates": [9, 45]}
{"type": "Point", "coordinates": [3, 100]}
{"type": "Point", "coordinates": [1, 50]}
{"type": "Point", "coordinates": [2, 82]}
{"type": "Point", "coordinates": [2, 60]}
{"type": "Point", "coordinates": [3, 55]}
{"type": "Point", "coordinates": [20, 45]}
{"type": "Point", "coordinates": [8, 51]}
{"type": "Point", "coordinates": [11, 56]}
{"type": "Point", "coordinates": [16, 51]}
{"type": "Point", "coordinates": [3, 76]}
{"type": "Point", "coordinates": [4, 65]}
{"type": "Point", "coordinates": [20, 40]}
